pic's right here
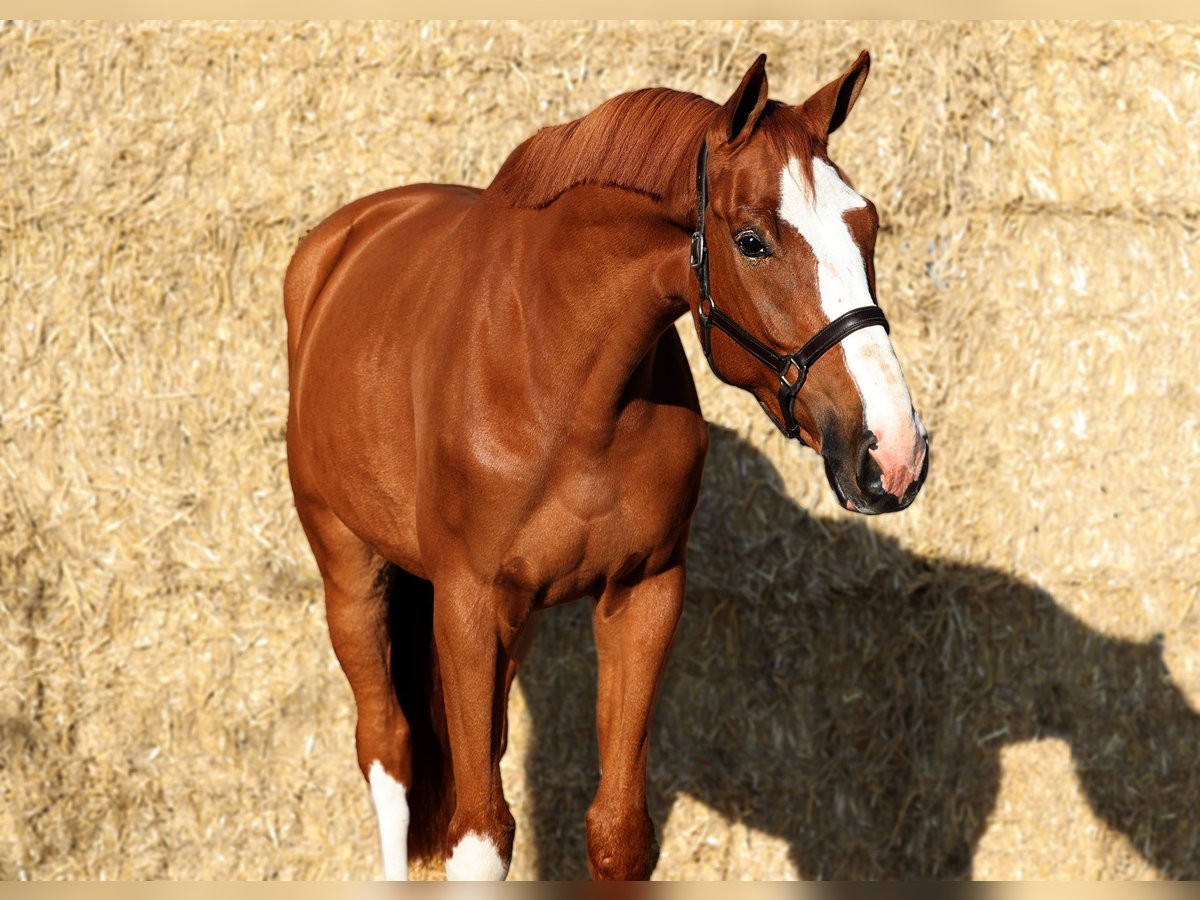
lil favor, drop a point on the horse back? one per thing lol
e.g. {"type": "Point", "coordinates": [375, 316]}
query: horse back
{"type": "Point", "coordinates": [322, 249]}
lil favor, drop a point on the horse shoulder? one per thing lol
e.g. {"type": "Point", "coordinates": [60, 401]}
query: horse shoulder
{"type": "Point", "coordinates": [670, 440]}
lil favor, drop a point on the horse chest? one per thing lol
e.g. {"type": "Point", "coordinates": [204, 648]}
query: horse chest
{"type": "Point", "coordinates": [617, 514]}
{"type": "Point", "coordinates": [559, 555]}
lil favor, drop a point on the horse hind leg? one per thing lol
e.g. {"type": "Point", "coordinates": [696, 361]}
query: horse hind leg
{"type": "Point", "coordinates": [415, 818]}
{"type": "Point", "coordinates": [370, 606]}
{"type": "Point", "coordinates": [417, 687]}
{"type": "Point", "coordinates": [356, 583]}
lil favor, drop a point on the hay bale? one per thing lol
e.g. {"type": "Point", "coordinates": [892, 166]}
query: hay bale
{"type": "Point", "coordinates": [849, 698]}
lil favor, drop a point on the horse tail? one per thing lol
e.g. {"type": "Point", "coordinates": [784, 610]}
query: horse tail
{"type": "Point", "coordinates": [416, 677]}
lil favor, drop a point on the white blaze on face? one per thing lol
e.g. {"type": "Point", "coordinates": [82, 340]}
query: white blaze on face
{"type": "Point", "coordinates": [818, 214]}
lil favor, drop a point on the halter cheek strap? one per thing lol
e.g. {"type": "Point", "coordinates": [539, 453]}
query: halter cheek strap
{"type": "Point", "coordinates": [791, 368]}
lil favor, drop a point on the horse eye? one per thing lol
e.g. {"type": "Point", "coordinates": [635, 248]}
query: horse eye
{"type": "Point", "coordinates": [750, 245]}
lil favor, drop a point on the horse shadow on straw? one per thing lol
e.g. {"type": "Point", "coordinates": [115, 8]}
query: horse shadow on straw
{"type": "Point", "coordinates": [832, 689]}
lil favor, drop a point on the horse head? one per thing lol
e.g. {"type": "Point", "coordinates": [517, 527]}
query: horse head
{"type": "Point", "coordinates": [789, 247]}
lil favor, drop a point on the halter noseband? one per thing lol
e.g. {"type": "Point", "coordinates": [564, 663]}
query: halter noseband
{"type": "Point", "coordinates": [792, 369]}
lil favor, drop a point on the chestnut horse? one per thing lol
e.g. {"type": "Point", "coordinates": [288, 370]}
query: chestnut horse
{"type": "Point", "coordinates": [491, 414]}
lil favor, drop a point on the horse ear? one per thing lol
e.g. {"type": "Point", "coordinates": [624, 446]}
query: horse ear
{"type": "Point", "coordinates": [828, 107]}
{"type": "Point", "coordinates": [740, 113]}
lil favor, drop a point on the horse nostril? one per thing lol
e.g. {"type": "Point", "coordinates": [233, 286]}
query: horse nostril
{"type": "Point", "coordinates": [870, 475]}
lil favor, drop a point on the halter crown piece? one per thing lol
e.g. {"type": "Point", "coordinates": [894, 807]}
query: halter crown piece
{"type": "Point", "coordinates": [792, 369]}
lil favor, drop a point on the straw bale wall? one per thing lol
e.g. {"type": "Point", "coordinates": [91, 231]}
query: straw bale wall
{"type": "Point", "coordinates": [1003, 681]}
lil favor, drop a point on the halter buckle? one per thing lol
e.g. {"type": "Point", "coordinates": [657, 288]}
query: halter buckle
{"type": "Point", "coordinates": [698, 250]}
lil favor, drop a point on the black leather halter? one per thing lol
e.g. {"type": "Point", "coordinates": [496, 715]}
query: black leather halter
{"type": "Point", "coordinates": [792, 369]}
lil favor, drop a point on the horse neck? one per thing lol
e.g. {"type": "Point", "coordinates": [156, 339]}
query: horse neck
{"type": "Point", "coordinates": [598, 334]}
{"type": "Point", "coordinates": [620, 181]}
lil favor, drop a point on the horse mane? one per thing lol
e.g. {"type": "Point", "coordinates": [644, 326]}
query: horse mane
{"type": "Point", "coordinates": [634, 141]}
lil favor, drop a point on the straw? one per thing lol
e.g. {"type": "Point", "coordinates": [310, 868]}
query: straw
{"type": "Point", "coordinates": [970, 687]}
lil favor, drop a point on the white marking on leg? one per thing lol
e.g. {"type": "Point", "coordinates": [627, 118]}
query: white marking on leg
{"type": "Point", "coordinates": [391, 809]}
{"type": "Point", "coordinates": [818, 214]}
{"type": "Point", "coordinates": [475, 858]}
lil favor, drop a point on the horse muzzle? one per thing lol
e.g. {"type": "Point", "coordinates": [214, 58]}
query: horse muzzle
{"type": "Point", "coordinates": [873, 479]}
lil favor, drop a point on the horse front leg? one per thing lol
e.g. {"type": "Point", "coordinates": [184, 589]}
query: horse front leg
{"type": "Point", "coordinates": [480, 634]}
{"type": "Point", "coordinates": [635, 626]}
